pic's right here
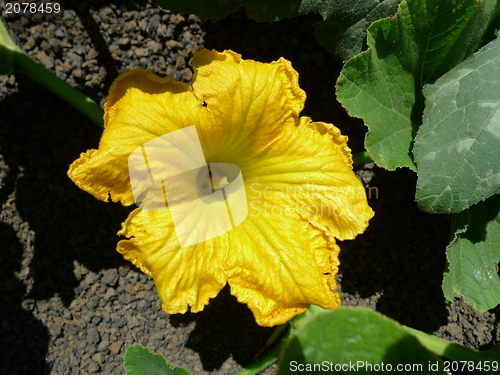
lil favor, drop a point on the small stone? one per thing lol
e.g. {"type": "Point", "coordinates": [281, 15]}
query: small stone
{"type": "Point", "coordinates": [103, 346]}
{"type": "Point", "coordinates": [115, 347]}
{"type": "Point", "coordinates": [130, 289]}
{"type": "Point", "coordinates": [193, 19]}
{"type": "Point", "coordinates": [124, 298]}
{"type": "Point", "coordinates": [121, 322]}
{"type": "Point", "coordinates": [177, 18]}
{"type": "Point", "coordinates": [133, 322]}
{"type": "Point", "coordinates": [164, 31]}
{"type": "Point", "coordinates": [172, 44]}
{"type": "Point", "coordinates": [180, 63]}
{"type": "Point", "coordinates": [110, 277]}
{"type": "Point", "coordinates": [79, 49]}
{"type": "Point", "coordinates": [144, 63]}
{"type": "Point", "coordinates": [154, 46]}
{"type": "Point", "coordinates": [55, 44]}
{"type": "Point", "coordinates": [89, 63]}
{"type": "Point", "coordinates": [79, 76]}
{"type": "Point", "coordinates": [74, 60]}
{"type": "Point", "coordinates": [454, 330]}
{"type": "Point", "coordinates": [45, 46]}
{"type": "Point", "coordinates": [110, 293]}
{"type": "Point", "coordinates": [141, 52]}
{"type": "Point", "coordinates": [46, 61]}
{"type": "Point", "coordinates": [98, 357]}
{"type": "Point", "coordinates": [186, 37]}
{"type": "Point", "coordinates": [124, 43]}
{"type": "Point", "coordinates": [143, 24]}
{"type": "Point", "coordinates": [36, 34]}
{"type": "Point", "coordinates": [93, 336]}
{"type": "Point", "coordinates": [186, 74]}
{"type": "Point", "coordinates": [144, 305]}
{"type": "Point", "coordinates": [93, 367]}
{"type": "Point", "coordinates": [29, 45]}
{"type": "Point", "coordinates": [115, 50]}
{"type": "Point", "coordinates": [153, 23]}
{"type": "Point", "coordinates": [55, 327]}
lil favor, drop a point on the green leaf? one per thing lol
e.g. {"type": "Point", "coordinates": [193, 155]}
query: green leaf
{"type": "Point", "coordinates": [383, 85]}
{"type": "Point", "coordinates": [474, 254]}
{"type": "Point", "coordinates": [342, 30]}
{"type": "Point", "coordinates": [354, 337]}
{"type": "Point", "coordinates": [457, 148]}
{"type": "Point", "coordinates": [141, 361]}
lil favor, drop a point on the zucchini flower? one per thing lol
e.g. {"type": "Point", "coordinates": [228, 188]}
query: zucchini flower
{"type": "Point", "coordinates": [231, 186]}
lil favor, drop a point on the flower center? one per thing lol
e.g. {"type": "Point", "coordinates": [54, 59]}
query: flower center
{"type": "Point", "coordinates": [215, 176]}
{"type": "Point", "coordinates": [211, 179]}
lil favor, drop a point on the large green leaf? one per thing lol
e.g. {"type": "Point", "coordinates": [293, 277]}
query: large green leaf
{"type": "Point", "coordinates": [474, 254]}
{"type": "Point", "coordinates": [457, 148]}
{"type": "Point", "coordinates": [352, 339]}
{"type": "Point", "coordinates": [383, 85]}
{"type": "Point", "coordinates": [342, 30]}
{"type": "Point", "coordinates": [139, 360]}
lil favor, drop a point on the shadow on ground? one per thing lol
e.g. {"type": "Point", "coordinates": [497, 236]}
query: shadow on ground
{"type": "Point", "coordinates": [401, 255]}
{"type": "Point", "coordinates": [23, 346]}
{"type": "Point", "coordinates": [223, 329]}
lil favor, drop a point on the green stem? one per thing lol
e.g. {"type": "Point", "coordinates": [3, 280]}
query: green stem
{"type": "Point", "coordinates": [7, 50]}
{"type": "Point", "coordinates": [59, 87]}
{"type": "Point", "coordinates": [13, 58]}
{"type": "Point", "coordinates": [360, 158]}
{"type": "Point", "coordinates": [453, 351]}
{"type": "Point", "coordinates": [271, 356]}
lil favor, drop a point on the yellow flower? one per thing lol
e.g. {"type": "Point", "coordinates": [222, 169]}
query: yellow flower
{"type": "Point", "coordinates": [277, 250]}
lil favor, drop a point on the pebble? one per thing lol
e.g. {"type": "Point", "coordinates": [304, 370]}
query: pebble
{"type": "Point", "coordinates": [124, 43]}
{"type": "Point", "coordinates": [43, 59]}
{"type": "Point", "coordinates": [59, 33]}
{"type": "Point", "coordinates": [110, 277]}
{"type": "Point", "coordinates": [115, 347]}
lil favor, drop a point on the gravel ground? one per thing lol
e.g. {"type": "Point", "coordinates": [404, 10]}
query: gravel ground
{"type": "Point", "coordinates": [71, 305]}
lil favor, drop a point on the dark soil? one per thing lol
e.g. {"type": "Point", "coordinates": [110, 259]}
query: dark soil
{"type": "Point", "coordinates": [71, 305]}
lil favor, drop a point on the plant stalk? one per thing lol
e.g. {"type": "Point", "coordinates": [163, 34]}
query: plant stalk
{"type": "Point", "coordinates": [11, 57]}
{"type": "Point", "coordinates": [272, 355]}
{"type": "Point", "coordinates": [59, 87]}
{"type": "Point", "coordinates": [360, 158]}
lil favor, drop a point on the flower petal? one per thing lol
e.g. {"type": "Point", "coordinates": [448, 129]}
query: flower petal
{"type": "Point", "coordinates": [280, 264]}
{"type": "Point", "coordinates": [140, 107]}
{"type": "Point", "coordinates": [302, 194]}
{"type": "Point", "coordinates": [310, 170]}
{"type": "Point", "coordinates": [249, 101]}
{"type": "Point", "coordinates": [184, 277]}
